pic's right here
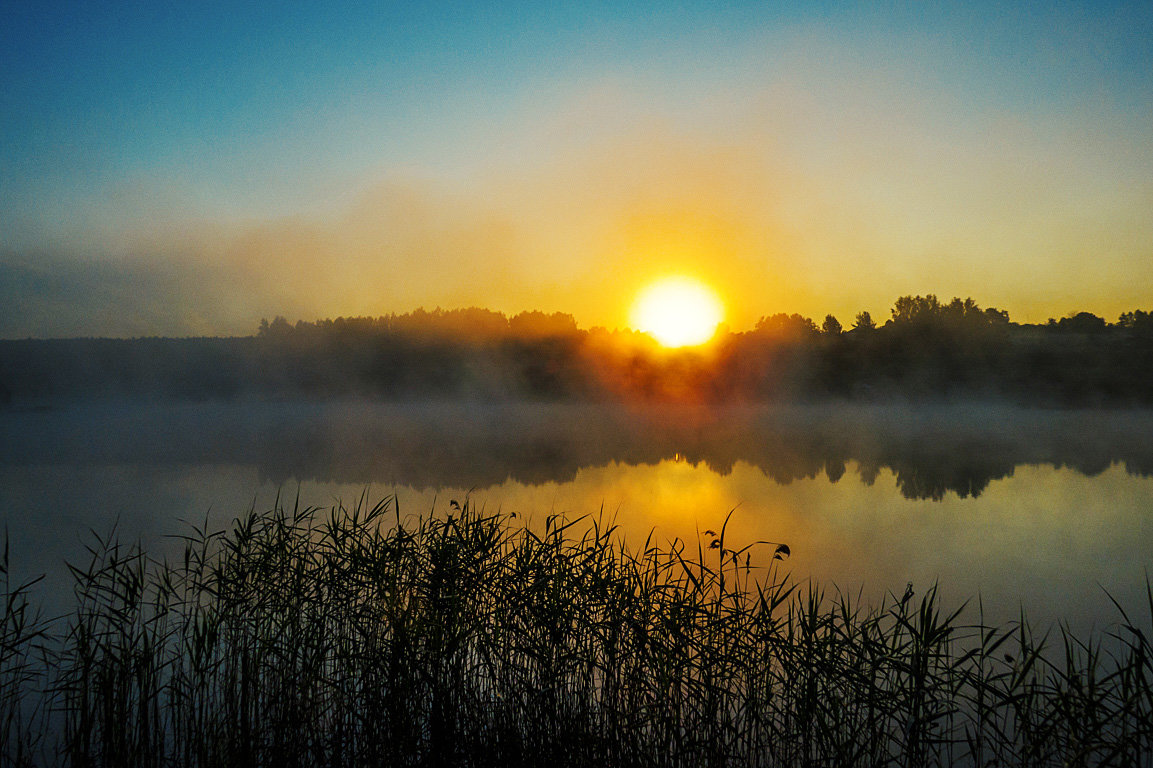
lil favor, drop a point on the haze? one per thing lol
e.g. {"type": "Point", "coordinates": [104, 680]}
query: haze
{"type": "Point", "coordinates": [191, 171]}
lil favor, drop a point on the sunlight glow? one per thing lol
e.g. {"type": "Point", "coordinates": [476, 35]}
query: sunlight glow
{"type": "Point", "coordinates": [678, 312]}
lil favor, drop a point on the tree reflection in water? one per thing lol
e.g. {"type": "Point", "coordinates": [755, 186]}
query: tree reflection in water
{"type": "Point", "coordinates": [932, 450]}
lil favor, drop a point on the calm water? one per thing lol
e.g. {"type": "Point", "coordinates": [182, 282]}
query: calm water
{"type": "Point", "coordinates": [1034, 509]}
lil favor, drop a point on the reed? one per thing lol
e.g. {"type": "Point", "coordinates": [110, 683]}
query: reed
{"type": "Point", "coordinates": [22, 633]}
{"type": "Point", "coordinates": [357, 637]}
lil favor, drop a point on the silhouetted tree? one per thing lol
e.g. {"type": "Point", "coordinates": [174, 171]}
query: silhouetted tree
{"type": "Point", "coordinates": [864, 322]}
{"type": "Point", "coordinates": [538, 324]}
{"type": "Point", "coordinates": [916, 309]}
{"type": "Point", "coordinates": [995, 316]}
{"type": "Point", "coordinates": [927, 349]}
{"type": "Point", "coordinates": [783, 326]}
{"type": "Point", "coordinates": [959, 311]}
{"type": "Point", "coordinates": [278, 328]}
{"type": "Point", "coordinates": [1081, 322]}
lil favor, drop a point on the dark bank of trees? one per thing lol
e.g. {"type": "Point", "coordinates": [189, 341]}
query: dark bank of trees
{"type": "Point", "coordinates": [926, 349]}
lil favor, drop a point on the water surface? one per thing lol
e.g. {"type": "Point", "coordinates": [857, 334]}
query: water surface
{"type": "Point", "coordinates": [1031, 509]}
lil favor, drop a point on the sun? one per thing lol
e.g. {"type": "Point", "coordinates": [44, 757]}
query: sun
{"type": "Point", "coordinates": [677, 312]}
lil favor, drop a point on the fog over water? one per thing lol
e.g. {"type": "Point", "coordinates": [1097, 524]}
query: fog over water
{"type": "Point", "coordinates": [1036, 508]}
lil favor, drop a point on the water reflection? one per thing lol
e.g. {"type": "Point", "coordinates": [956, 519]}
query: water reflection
{"type": "Point", "coordinates": [932, 451]}
{"type": "Point", "coordinates": [1034, 508]}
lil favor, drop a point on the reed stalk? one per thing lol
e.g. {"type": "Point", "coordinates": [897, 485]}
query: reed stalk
{"type": "Point", "coordinates": [360, 637]}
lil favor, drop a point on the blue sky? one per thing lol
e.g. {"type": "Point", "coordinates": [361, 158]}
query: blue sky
{"type": "Point", "coordinates": [200, 165]}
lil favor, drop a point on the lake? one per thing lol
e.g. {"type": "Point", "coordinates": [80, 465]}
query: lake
{"type": "Point", "coordinates": [1040, 510]}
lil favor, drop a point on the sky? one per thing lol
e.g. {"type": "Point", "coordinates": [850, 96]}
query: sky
{"type": "Point", "coordinates": [188, 169]}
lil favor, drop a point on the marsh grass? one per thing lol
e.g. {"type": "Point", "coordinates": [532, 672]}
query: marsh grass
{"type": "Point", "coordinates": [22, 632]}
{"type": "Point", "coordinates": [356, 637]}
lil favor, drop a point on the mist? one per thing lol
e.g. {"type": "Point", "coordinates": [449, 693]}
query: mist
{"type": "Point", "coordinates": [933, 451]}
{"type": "Point", "coordinates": [810, 196]}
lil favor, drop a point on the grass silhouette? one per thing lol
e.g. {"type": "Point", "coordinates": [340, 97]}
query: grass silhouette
{"type": "Point", "coordinates": [356, 637]}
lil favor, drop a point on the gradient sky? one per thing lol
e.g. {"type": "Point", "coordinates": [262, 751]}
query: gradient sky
{"type": "Point", "coordinates": [191, 168]}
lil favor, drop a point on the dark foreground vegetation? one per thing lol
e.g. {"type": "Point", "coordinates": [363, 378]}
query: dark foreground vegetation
{"type": "Point", "coordinates": [926, 350]}
{"type": "Point", "coordinates": [348, 638]}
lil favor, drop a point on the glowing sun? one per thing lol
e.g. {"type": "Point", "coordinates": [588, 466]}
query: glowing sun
{"type": "Point", "coordinates": [677, 312]}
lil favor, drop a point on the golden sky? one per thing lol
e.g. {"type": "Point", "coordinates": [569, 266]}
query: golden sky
{"type": "Point", "coordinates": [195, 174]}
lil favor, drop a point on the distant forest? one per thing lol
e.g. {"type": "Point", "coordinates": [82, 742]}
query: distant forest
{"type": "Point", "coordinates": [927, 349]}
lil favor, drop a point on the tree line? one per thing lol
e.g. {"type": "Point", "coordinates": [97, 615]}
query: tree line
{"type": "Point", "coordinates": [926, 349]}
